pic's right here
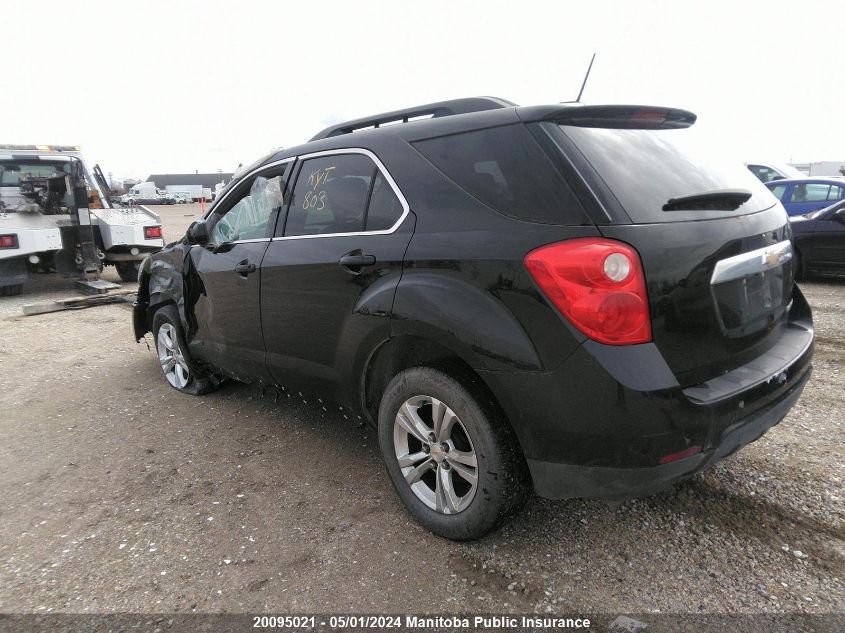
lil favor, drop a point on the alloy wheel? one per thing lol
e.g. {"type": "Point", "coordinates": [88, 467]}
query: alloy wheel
{"type": "Point", "coordinates": [435, 454]}
{"type": "Point", "coordinates": [173, 362]}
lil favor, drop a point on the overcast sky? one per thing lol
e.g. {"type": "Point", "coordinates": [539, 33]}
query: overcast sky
{"type": "Point", "coordinates": [176, 86]}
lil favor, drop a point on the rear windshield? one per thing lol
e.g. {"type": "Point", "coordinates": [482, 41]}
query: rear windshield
{"type": "Point", "coordinates": [507, 170]}
{"type": "Point", "coordinates": [645, 169]}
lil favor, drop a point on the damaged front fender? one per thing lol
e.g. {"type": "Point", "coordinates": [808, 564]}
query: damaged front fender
{"type": "Point", "coordinates": [161, 281]}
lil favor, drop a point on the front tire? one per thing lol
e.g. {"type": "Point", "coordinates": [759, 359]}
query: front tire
{"type": "Point", "coordinates": [456, 466]}
{"type": "Point", "coordinates": [179, 370]}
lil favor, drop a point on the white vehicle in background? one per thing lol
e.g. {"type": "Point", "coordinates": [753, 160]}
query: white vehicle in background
{"type": "Point", "coordinates": [181, 197]}
{"type": "Point", "coordinates": [767, 172]}
{"type": "Point", "coordinates": [195, 193]}
{"type": "Point", "coordinates": [37, 231]}
{"type": "Point", "coordinates": [146, 193]}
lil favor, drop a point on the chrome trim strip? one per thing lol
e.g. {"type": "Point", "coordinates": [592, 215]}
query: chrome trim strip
{"type": "Point", "coordinates": [387, 177]}
{"type": "Point", "coordinates": [750, 263]}
{"type": "Point", "coordinates": [217, 203]}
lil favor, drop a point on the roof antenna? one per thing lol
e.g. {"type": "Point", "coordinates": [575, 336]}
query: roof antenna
{"type": "Point", "coordinates": [586, 77]}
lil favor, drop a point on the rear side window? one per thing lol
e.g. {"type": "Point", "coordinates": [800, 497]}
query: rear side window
{"type": "Point", "coordinates": [385, 208]}
{"type": "Point", "coordinates": [507, 170]}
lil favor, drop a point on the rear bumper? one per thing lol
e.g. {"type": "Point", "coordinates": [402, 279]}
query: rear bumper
{"type": "Point", "coordinates": [600, 424]}
{"type": "Point", "coordinates": [560, 481]}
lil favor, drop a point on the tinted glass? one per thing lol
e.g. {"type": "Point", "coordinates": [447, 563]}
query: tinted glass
{"type": "Point", "coordinates": [836, 193]}
{"type": "Point", "coordinates": [385, 208]}
{"type": "Point", "coordinates": [247, 219]}
{"type": "Point", "coordinates": [507, 170]}
{"type": "Point", "coordinates": [330, 195]}
{"type": "Point", "coordinates": [812, 192]}
{"type": "Point", "coordinates": [765, 174]}
{"type": "Point", "coordinates": [645, 168]}
{"type": "Point", "coordinates": [777, 191]}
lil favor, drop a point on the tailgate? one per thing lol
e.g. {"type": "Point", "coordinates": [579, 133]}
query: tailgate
{"type": "Point", "coordinates": [719, 290]}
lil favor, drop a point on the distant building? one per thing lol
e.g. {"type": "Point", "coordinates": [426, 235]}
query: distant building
{"type": "Point", "coordinates": [199, 186]}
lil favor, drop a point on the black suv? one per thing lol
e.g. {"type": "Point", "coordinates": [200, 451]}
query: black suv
{"type": "Point", "coordinates": [554, 296]}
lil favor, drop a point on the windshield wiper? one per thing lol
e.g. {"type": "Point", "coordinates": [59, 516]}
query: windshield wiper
{"type": "Point", "coordinates": [719, 200]}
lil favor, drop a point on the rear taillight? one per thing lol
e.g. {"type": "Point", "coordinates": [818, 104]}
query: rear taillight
{"type": "Point", "coordinates": [9, 240]}
{"type": "Point", "coordinates": [598, 285]}
{"type": "Point", "coordinates": [152, 232]}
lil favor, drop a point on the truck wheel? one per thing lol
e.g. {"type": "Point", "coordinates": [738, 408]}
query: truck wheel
{"type": "Point", "coordinates": [11, 291]}
{"type": "Point", "coordinates": [455, 465]}
{"type": "Point", "coordinates": [178, 368]}
{"type": "Point", "coordinates": [128, 271]}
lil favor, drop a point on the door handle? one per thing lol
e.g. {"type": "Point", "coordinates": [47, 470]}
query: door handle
{"type": "Point", "coordinates": [244, 268]}
{"type": "Point", "coordinates": [354, 261]}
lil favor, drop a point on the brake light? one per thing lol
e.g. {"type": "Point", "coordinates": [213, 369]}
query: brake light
{"type": "Point", "coordinates": [598, 285]}
{"type": "Point", "coordinates": [9, 241]}
{"type": "Point", "coordinates": [152, 232]}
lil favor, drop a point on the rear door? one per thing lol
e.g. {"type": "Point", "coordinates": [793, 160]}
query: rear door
{"type": "Point", "coordinates": [330, 274]}
{"type": "Point", "coordinates": [828, 241]}
{"type": "Point", "coordinates": [225, 275]}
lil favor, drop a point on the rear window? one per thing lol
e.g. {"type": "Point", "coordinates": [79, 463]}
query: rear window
{"type": "Point", "coordinates": [507, 170]}
{"type": "Point", "coordinates": [645, 169]}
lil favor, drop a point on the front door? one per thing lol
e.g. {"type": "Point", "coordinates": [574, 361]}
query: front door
{"type": "Point", "coordinates": [226, 276]}
{"type": "Point", "coordinates": [329, 277]}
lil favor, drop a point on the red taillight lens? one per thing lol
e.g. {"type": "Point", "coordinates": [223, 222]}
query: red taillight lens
{"type": "Point", "coordinates": [152, 232]}
{"type": "Point", "coordinates": [9, 241]}
{"type": "Point", "coordinates": [597, 284]}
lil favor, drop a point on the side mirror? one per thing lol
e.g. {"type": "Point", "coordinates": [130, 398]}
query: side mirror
{"type": "Point", "coordinates": [839, 215]}
{"type": "Point", "coordinates": [198, 232]}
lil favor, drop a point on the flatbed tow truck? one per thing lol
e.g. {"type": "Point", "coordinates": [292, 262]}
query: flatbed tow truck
{"type": "Point", "coordinates": [55, 216]}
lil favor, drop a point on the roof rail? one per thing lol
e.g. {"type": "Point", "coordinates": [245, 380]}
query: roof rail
{"type": "Point", "coordinates": [431, 110]}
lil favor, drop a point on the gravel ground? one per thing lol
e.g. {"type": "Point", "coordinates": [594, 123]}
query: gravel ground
{"type": "Point", "coordinates": [119, 494]}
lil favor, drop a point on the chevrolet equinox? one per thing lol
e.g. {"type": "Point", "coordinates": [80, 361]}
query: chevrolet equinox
{"type": "Point", "coordinates": [565, 298]}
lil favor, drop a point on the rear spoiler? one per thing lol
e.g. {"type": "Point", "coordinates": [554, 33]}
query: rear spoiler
{"type": "Point", "coordinates": [628, 117]}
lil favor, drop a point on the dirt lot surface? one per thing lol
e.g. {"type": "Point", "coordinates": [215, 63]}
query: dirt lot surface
{"type": "Point", "coordinates": [120, 494]}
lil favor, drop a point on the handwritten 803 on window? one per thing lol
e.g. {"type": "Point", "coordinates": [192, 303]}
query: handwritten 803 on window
{"type": "Point", "coordinates": [316, 199]}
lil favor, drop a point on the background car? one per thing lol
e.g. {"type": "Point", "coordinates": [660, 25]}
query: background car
{"type": "Point", "coordinates": [819, 239]}
{"type": "Point", "coordinates": [804, 195]}
{"type": "Point", "coordinates": [767, 172]}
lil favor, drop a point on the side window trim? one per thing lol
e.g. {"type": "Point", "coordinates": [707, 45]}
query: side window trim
{"type": "Point", "coordinates": [406, 209]}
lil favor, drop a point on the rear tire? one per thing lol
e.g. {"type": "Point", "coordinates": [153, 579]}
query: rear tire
{"type": "Point", "coordinates": [128, 271]}
{"type": "Point", "coordinates": [179, 370]}
{"type": "Point", "coordinates": [438, 430]}
{"type": "Point", "coordinates": [11, 291]}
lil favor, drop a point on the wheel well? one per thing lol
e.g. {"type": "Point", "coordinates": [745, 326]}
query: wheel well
{"type": "Point", "coordinates": [404, 352]}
